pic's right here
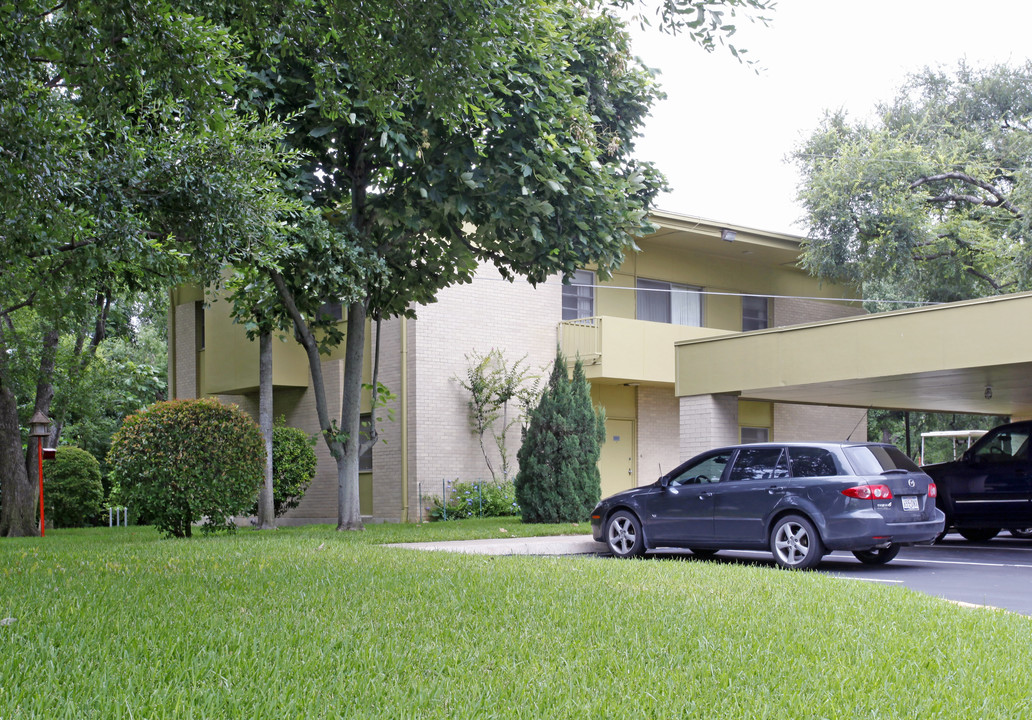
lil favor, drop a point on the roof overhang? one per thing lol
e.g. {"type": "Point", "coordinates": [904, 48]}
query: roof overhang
{"type": "Point", "coordinates": [973, 357]}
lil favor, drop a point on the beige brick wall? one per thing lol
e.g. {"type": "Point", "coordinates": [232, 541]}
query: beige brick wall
{"type": "Point", "coordinates": [707, 421]}
{"type": "Point", "coordinates": [488, 313]}
{"type": "Point", "coordinates": [185, 351]}
{"type": "Point", "coordinates": [298, 407]}
{"type": "Point", "coordinates": [808, 423]}
{"type": "Point", "coordinates": [789, 311]}
{"type": "Point", "coordinates": [388, 501]}
{"type": "Point", "coordinates": [658, 433]}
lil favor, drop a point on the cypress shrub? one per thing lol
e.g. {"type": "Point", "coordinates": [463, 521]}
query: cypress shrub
{"type": "Point", "coordinates": [73, 494]}
{"type": "Point", "coordinates": [184, 461]}
{"type": "Point", "coordinates": [558, 479]}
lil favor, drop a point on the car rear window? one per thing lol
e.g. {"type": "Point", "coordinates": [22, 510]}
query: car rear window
{"type": "Point", "coordinates": [877, 459]}
{"type": "Point", "coordinates": [814, 462]}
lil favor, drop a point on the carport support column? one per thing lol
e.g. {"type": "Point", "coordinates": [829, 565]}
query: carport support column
{"type": "Point", "coordinates": [707, 421]}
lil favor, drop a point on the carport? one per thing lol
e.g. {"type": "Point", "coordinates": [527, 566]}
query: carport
{"type": "Point", "coordinates": [973, 356]}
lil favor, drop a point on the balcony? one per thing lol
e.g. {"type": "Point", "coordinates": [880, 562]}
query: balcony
{"type": "Point", "coordinates": [625, 350]}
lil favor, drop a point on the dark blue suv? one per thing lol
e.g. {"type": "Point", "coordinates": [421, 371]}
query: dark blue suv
{"type": "Point", "coordinates": [990, 487]}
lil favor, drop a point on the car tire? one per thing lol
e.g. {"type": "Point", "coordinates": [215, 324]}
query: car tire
{"type": "Point", "coordinates": [978, 534]}
{"type": "Point", "coordinates": [703, 553]}
{"type": "Point", "coordinates": [795, 543]}
{"type": "Point", "coordinates": [623, 535]}
{"type": "Point", "coordinates": [1021, 532]}
{"type": "Point", "coordinates": [877, 556]}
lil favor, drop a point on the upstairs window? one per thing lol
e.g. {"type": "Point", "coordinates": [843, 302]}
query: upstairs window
{"type": "Point", "coordinates": [666, 302]}
{"type": "Point", "coordinates": [579, 296]}
{"type": "Point", "coordinates": [755, 314]}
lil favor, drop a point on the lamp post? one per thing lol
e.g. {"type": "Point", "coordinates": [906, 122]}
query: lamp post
{"type": "Point", "coordinates": [39, 428]}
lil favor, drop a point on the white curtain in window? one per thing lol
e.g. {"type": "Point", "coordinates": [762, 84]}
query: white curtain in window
{"type": "Point", "coordinates": [685, 306]}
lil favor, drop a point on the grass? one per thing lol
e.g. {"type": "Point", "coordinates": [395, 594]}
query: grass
{"type": "Point", "coordinates": [311, 623]}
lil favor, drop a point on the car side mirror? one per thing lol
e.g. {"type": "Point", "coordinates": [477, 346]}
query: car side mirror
{"type": "Point", "coordinates": [664, 480]}
{"type": "Point", "coordinates": [968, 457]}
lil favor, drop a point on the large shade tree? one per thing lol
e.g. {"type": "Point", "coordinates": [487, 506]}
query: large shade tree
{"type": "Point", "coordinates": [123, 166]}
{"type": "Point", "coordinates": [932, 200]}
{"type": "Point", "coordinates": [530, 168]}
{"type": "Point", "coordinates": [442, 135]}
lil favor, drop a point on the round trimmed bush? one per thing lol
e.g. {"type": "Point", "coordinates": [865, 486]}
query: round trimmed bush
{"type": "Point", "coordinates": [184, 461]}
{"type": "Point", "coordinates": [73, 494]}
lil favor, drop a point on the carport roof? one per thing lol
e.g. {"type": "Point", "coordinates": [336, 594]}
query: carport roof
{"type": "Point", "coordinates": [935, 358]}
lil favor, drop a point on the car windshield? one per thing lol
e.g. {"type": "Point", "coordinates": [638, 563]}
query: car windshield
{"type": "Point", "coordinates": [1007, 443]}
{"type": "Point", "coordinates": [878, 459]}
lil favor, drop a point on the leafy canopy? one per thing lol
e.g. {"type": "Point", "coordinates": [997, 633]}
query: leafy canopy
{"type": "Point", "coordinates": [933, 199]}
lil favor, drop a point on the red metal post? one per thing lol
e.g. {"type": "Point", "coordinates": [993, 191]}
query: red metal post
{"type": "Point", "coordinates": [39, 452]}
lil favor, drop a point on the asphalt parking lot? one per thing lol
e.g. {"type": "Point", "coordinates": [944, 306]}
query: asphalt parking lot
{"type": "Point", "coordinates": [997, 573]}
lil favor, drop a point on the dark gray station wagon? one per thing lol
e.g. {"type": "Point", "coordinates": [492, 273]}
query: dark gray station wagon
{"type": "Point", "coordinates": [800, 501]}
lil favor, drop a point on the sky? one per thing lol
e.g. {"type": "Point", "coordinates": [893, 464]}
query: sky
{"type": "Point", "coordinates": [724, 131]}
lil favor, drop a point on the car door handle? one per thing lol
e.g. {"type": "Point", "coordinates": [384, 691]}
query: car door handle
{"type": "Point", "coordinates": [705, 495]}
{"type": "Point", "coordinates": [776, 489]}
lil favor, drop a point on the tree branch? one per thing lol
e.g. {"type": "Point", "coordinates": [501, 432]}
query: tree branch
{"type": "Point", "coordinates": [1000, 201]}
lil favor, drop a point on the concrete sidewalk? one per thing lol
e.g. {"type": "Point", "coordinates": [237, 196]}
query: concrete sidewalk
{"type": "Point", "coordinates": [557, 545]}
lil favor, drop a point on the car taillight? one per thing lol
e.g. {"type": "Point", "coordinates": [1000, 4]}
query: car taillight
{"type": "Point", "coordinates": [932, 490]}
{"type": "Point", "coordinates": [869, 492]}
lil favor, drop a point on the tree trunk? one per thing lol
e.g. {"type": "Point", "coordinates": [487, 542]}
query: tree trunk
{"type": "Point", "coordinates": [20, 496]}
{"type": "Point", "coordinates": [349, 513]}
{"type": "Point", "coordinates": [266, 507]}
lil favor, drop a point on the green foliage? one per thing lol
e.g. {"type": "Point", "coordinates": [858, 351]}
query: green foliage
{"type": "Point", "coordinates": [558, 479]}
{"type": "Point", "coordinates": [476, 499]}
{"type": "Point", "coordinates": [125, 167]}
{"type": "Point", "coordinates": [492, 384]}
{"type": "Point", "coordinates": [180, 462]}
{"type": "Point", "coordinates": [293, 466]}
{"type": "Point", "coordinates": [933, 200]}
{"type": "Point", "coordinates": [73, 495]}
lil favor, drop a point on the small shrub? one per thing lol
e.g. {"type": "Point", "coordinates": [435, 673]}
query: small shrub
{"type": "Point", "coordinates": [73, 494]}
{"type": "Point", "coordinates": [468, 500]}
{"type": "Point", "coordinates": [182, 461]}
{"type": "Point", "coordinates": [293, 466]}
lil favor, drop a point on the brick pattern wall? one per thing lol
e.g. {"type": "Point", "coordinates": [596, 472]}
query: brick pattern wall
{"type": "Point", "coordinates": [185, 349]}
{"type": "Point", "coordinates": [490, 312]}
{"type": "Point", "coordinates": [658, 433]}
{"type": "Point", "coordinates": [319, 505]}
{"type": "Point", "coordinates": [707, 421]}
{"type": "Point", "coordinates": [809, 423]}
{"type": "Point", "coordinates": [387, 453]}
{"type": "Point", "coordinates": [789, 311]}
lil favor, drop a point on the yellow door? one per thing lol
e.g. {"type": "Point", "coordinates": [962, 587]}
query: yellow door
{"type": "Point", "coordinates": [616, 464]}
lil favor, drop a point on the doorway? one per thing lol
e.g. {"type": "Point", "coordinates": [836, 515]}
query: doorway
{"type": "Point", "coordinates": [616, 462]}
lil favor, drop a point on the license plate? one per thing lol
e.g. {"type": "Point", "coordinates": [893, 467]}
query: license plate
{"type": "Point", "coordinates": [910, 502]}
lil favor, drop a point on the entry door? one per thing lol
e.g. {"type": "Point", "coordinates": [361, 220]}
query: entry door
{"type": "Point", "coordinates": [616, 463]}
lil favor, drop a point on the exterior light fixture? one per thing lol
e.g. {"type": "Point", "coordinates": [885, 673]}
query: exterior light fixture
{"type": "Point", "coordinates": [39, 428]}
{"type": "Point", "coordinates": [988, 392]}
{"type": "Point", "coordinates": [727, 235]}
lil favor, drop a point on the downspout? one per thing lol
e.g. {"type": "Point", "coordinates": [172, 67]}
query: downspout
{"type": "Point", "coordinates": [405, 517]}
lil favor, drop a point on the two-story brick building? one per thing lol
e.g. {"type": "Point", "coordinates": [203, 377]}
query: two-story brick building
{"type": "Point", "coordinates": [691, 280]}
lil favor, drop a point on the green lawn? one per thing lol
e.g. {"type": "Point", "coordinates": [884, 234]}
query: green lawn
{"type": "Point", "coordinates": [313, 623]}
